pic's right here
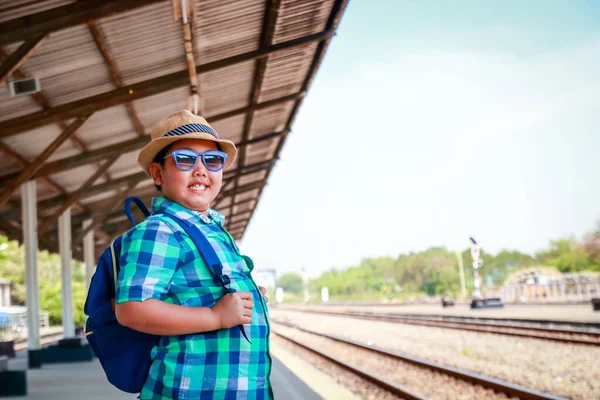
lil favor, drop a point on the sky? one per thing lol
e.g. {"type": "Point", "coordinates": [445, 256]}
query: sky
{"type": "Point", "coordinates": [432, 121]}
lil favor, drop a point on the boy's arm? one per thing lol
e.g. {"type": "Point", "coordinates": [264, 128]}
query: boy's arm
{"type": "Point", "coordinates": [150, 255]}
{"type": "Point", "coordinates": [160, 318]}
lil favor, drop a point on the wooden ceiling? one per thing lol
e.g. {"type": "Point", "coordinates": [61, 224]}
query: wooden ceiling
{"type": "Point", "coordinates": [110, 69]}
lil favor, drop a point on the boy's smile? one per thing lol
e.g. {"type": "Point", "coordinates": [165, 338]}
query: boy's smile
{"type": "Point", "coordinates": [194, 189]}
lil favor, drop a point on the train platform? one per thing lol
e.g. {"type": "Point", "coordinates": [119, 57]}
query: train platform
{"type": "Point", "coordinates": [86, 381]}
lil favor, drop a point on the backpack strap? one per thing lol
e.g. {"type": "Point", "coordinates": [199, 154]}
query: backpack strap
{"type": "Point", "coordinates": [206, 251]}
{"type": "Point", "coordinates": [210, 257]}
{"type": "Point", "coordinates": [140, 205]}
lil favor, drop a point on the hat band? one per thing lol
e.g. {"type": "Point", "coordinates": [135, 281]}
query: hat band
{"type": "Point", "coordinates": [191, 128]}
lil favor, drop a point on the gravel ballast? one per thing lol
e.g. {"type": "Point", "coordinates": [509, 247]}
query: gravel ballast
{"type": "Point", "coordinates": [418, 380]}
{"type": "Point", "coordinates": [566, 370]}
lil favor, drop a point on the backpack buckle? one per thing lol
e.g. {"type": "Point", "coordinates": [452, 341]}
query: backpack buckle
{"type": "Point", "coordinates": [225, 280]}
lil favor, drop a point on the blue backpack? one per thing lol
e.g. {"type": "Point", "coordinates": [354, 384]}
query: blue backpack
{"type": "Point", "coordinates": [125, 354]}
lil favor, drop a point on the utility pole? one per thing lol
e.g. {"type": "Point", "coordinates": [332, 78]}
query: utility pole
{"type": "Point", "coordinates": [461, 269]}
{"type": "Point", "coordinates": [305, 281]}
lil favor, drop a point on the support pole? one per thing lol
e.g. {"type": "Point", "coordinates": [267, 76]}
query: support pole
{"type": "Point", "coordinates": [6, 296]}
{"type": "Point", "coordinates": [64, 239]}
{"type": "Point", "coordinates": [88, 253]}
{"type": "Point", "coordinates": [461, 270]}
{"type": "Point", "coordinates": [32, 299]}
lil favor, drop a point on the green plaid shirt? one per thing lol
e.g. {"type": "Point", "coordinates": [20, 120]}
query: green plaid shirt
{"type": "Point", "coordinates": [160, 261]}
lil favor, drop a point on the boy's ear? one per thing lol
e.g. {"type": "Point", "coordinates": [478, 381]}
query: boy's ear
{"type": "Point", "coordinates": [156, 173]}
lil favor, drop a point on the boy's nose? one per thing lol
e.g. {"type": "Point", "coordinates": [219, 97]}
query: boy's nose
{"type": "Point", "coordinates": [200, 169]}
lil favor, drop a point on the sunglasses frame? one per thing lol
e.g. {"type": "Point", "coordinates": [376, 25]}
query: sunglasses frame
{"type": "Point", "coordinates": [174, 153]}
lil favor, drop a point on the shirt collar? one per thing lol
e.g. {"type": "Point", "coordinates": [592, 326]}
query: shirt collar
{"type": "Point", "coordinates": [163, 205]}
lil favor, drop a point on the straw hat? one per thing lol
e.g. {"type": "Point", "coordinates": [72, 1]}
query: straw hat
{"type": "Point", "coordinates": [182, 125]}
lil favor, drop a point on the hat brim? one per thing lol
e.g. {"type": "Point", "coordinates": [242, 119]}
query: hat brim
{"type": "Point", "coordinates": [147, 154]}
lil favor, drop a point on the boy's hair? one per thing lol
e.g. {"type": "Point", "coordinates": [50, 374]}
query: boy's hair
{"type": "Point", "coordinates": [160, 158]}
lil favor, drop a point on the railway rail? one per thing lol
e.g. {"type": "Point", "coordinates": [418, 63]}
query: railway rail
{"type": "Point", "coordinates": [589, 336]}
{"type": "Point", "coordinates": [496, 385]}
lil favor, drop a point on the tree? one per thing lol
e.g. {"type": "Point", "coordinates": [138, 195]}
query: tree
{"type": "Point", "coordinates": [291, 282]}
{"type": "Point", "coordinates": [566, 255]}
{"type": "Point", "coordinates": [591, 244]}
{"type": "Point", "coordinates": [12, 268]}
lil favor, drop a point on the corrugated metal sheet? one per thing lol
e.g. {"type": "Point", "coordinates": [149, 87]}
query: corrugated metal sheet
{"type": "Point", "coordinates": [257, 176]}
{"type": "Point", "coordinates": [11, 107]}
{"type": "Point", "coordinates": [299, 18]}
{"type": "Point", "coordinates": [152, 109]}
{"type": "Point", "coordinates": [69, 66]}
{"type": "Point", "coordinates": [45, 190]}
{"type": "Point", "coordinates": [229, 128]}
{"type": "Point", "coordinates": [31, 144]}
{"type": "Point", "coordinates": [11, 9]}
{"type": "Point", "coordinates": [286, 72]}
{"type": "Point", "coordinates": [271, 119]}
{"type": "Point", "coordinates": [72, 179]}
{"type": "Point", "coordinates": [105, 127]}
{"type": "Point", "coordinates": [227, 88]}
{"type": "Point", "coordinates": [227, 27]}
{"type": "Point", "coordinates": [125, 165]}
{"type": "Point", "coordinates": [145, 43]}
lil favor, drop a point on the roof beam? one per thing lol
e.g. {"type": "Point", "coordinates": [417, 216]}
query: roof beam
{"type": "Point", "coordinates": [16, 156]}
{"type": "Point", "coordinates": [59, 18]}
{"type": "Point", "coordinates": [16, 233]}
{"type": "Point", "coordinates": [79, 160]}
{"type": "Point", "coordinates": [143, 89]}
{"type": "Point", "coordinates": [98, 37]}
{"type": "Point", "coordinates": [73, 197]}
{"type": "Point", "coordinates": [16, 59]}
{"type": "Point", "coordinates": [30, 171]}
{"type": "Point", "coordinates": [116, 200]}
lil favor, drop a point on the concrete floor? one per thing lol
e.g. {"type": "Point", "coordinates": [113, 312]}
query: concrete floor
{"type": "Point", "coordinates": [86, 381]}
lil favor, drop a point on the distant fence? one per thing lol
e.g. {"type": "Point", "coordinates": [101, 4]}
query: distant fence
{"type": "Point", "coordinates": [18, 321]}
{"type": "Point", "coordinates": [547, 293]}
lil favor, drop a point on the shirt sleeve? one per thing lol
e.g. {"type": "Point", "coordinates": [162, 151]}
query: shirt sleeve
{"type": "Point", "coordinates": [150, 254]}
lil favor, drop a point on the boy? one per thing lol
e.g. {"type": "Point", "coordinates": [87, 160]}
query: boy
{"type": "Point", "coordinates": [165, 287]}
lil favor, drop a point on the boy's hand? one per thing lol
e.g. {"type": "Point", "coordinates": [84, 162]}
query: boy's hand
{"type": "Point", "coordinates": [234, 309]}
{"type": "Point", "coordinates": [263, 291]}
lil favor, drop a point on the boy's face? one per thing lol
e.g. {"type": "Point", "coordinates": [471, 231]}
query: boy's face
{"type": "Point", "coordinates": [194, 189]}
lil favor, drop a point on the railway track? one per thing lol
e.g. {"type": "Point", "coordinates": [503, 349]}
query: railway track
{"type": "Point", "coordinates": [431, 371]}
{"type": "Point", "coordinates": [518, 328]}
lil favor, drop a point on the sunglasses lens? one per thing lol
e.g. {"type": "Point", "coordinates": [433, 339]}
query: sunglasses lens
{"type": "Point", "coordinates": [214, 162]}
{"type": "Point", "coordinates": [186, 161]}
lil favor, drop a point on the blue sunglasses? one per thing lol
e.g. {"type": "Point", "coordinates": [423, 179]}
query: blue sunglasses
{"type": "Point", "coordinates": [187, 159]}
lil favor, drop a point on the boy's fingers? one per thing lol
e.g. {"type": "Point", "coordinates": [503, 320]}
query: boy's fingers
{"type": "Point", "coordinates": [245, 295]}
{"type": "Point", "coordinates": [263, 290]}
{"type": "Point", "coordinates": [249, 304]}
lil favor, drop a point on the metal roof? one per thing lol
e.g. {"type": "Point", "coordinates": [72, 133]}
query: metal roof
{"type": "Point", "coordinates": [110, 69]}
